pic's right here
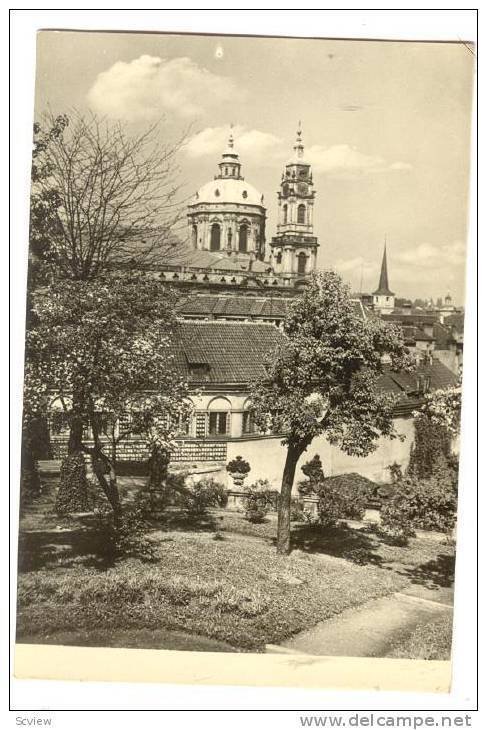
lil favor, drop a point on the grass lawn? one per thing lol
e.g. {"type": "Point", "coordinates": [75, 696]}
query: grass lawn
{"type": "Point", "coordinates": [236, 590]}
{"type": "Point", "coordinates": [430, 641]}
{"type": "Point", "coordinates": [219, 581]}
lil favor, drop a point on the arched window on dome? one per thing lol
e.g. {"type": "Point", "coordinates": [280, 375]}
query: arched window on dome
{"type": "Point", "coordinates": [243, 234]}
{"type": "Point", "coordinates": [301, 263]}
{"type": "Point", "coordinates": [194, 236]}
{"type": "Point", "coordinates": [301, 213]}
{"type": "Point", "coordinates": [279, 258]}
{"type": "Point", "coordinates": [284, 214]}
{"type": "Point", "coordinates": [215, 237]}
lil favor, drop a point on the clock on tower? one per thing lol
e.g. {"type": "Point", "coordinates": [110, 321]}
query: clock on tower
{"type": "Point", "coordinates": [294, 248]}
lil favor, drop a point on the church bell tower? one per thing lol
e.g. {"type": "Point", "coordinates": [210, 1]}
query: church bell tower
{"type": "Point", "coordinates": [294, 247]}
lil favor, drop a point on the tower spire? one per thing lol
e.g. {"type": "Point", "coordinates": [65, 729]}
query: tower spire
{"type": "Point", "coordinates": [383, 287]}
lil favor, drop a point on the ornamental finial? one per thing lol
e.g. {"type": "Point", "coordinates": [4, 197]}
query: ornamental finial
{"type": "Point", "coordinates": [298, 147]}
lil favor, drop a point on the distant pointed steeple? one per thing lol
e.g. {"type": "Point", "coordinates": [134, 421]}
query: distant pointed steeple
{"type": "Point", "coordinates": [383, 287]}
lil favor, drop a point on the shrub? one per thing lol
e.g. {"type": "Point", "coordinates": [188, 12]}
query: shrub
{"type": "Point", "coordinates": [424, 504]}
{"type": "Point", "coordinates": [259, 498]}
{"type": "Point", "coordinates": [431, 446]}
{"type": "Point", "coordinates": [238, 466]}
{"type": "Point", "coordinates": [202, 495]}
{"type": "Point", "coordinates": [128, 537]}
{"type": "Point", "coordinates": [341, 499]}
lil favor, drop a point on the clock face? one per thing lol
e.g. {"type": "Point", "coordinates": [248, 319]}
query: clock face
{"type": "Point", "coordinates": [302, 189]}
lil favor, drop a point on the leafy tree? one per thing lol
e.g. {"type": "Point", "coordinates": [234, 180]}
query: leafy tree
{"type": "Point", "coordinates": [436, 424]}
{"type": "Point", "coordinates": [43, 205]}
{"type": "Point", "coordinates": [322, 380]}
{"type": "Point", "coordinates": [443, 407]}
{"type": "Point", "coordinates": [104, 347]}
{"type": "Point", "coordinates": [44, 200]}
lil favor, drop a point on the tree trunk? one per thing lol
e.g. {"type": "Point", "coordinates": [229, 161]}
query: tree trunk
{"type": "Point", "coordinates": [72, 495]}
{"type": "Point", "coordinates": [284, 510]}
{"type": "Point", "coordinates": [103, 469]}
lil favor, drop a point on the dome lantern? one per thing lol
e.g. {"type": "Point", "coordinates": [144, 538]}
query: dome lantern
{"type": "Point", "coordinates": [230, 162]}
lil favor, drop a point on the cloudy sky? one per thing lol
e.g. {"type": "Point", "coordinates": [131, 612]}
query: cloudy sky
{"type": "Point", "coordinates": [385, 126]}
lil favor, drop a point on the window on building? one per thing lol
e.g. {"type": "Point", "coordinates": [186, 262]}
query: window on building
{"type": "Point", "coordinates": [279, 258]}
{"type": "Point", "coordinates": [219, 417]}
{"type": "Point", "coordinates": [242, 238]}
{"type": "Point", "coordinates": [218, 423]}
{"type": "Point", "coordinates": [248, 422]}
{"type": "Point", "coordinates": [284, 214]}
{"type": "Point", "coordinates": [301, 263]}
{"type": "Point", "coordinates": [226, 171]}
{"type": "Point", "coordinates": [301, 213]}
{"type": "Point", "coordinates": [215, 237]}
{"type": "Point", "coordinates": [194, 236]}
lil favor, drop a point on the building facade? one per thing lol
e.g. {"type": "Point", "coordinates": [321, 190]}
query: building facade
{"type": "Point", "coordinates": [226, 248]}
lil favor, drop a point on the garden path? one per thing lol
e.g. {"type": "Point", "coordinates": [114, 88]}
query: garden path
{"type": "Point", "coordinates": [371, 629]}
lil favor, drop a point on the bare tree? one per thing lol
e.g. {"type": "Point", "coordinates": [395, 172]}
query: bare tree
{"type": "Point", "coordinates": [117, 196]}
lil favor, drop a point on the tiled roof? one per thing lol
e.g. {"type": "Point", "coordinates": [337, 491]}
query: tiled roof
{"type": "Point", "coordinates": [413, 334]}
{"type": "Point", "coordinates": [236, 306]}
{"type": "Point", "coordinates": [220, 261]}
{"type": "Point", "coordinates": [233, 352]}
{"type": "Point", "coordinates": [442, 336]}
{"type": "Point", "coordinates": [411, 318]}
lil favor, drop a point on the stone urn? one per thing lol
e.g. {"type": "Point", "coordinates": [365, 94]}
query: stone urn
{"type": "Point", "coordinates": [238, 470]}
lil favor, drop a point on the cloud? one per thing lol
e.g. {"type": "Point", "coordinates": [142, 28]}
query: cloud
{"type": "Point", "coordinates": [432, 256]}
{"type": "Point", "coordinates": [148, 86]}
{"type": "Point", "coordinates": [251, 144]}
{"type": "Point", "coordinates": [357, 264]}
{"type": "Point", "coordinates": [423, 269]}
{"type": "Point", "coordinates": [347, 161]}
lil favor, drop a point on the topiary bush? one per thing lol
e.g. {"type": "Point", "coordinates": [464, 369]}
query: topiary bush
{"type": "Point", "coordinates": [238, 466]}
{"type": "Point", "coordinates": [313, 469]}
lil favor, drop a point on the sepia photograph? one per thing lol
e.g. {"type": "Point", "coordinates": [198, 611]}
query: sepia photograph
{"type": "Point", "coordinates": [244, 344]}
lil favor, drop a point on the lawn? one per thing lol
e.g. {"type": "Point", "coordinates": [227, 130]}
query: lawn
{"type": "Point", "coordinates": [430, 641]}
{"type": "Point", "coordinates": [219, 580]}
{"type": "Point", "coordinates": [236, 590]}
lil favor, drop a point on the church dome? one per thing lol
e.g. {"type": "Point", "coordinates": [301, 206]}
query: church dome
{"type": "Point", "coordinates": [228, 190]}
{"type": "Point", "coordinates": [229, 186]}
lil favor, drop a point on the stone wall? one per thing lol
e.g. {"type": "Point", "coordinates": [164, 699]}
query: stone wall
{"type": "Point", "coordinates": [266, 455]}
